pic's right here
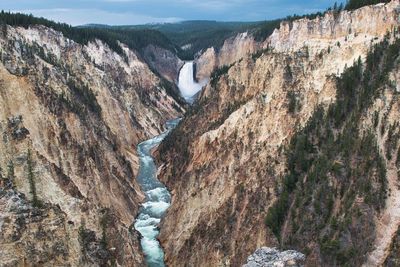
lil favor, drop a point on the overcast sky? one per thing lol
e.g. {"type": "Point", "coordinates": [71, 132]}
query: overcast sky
{"type": "Point", "coordinates": [123, 12]}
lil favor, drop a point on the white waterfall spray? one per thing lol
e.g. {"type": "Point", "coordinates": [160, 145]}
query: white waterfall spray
{"type": "Point", "coordinates": [186, 83]}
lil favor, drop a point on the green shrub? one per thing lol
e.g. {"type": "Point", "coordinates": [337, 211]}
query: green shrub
{"type": "Point", "coordinates": [293, 102]}
{"type": "Point", "coordinates": [85, 95]}
{"type": "Point", "coordinates": [10, 171]}
{"type": "Point", "coordinates": [216, 74]}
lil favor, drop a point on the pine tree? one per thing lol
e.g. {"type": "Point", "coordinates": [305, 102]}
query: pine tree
{"type": "Point", "coordinates": [31, 178]}
{"type": "Point", "coordinates": [354, 4]}
{"type": "Point", "coordinates": [3, 29]}
{"type": "Point", "coordinates": [10, 171]}
{"type": "Point", "coordinates": [1, 174]}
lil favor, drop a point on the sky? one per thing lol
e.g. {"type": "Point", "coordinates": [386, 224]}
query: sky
{"type": "Point", "coordinates": [130, 12]}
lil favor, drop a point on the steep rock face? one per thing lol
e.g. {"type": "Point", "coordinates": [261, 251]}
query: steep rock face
{"type": "Point", "coordinates": [344, 28]}
{"type": "Point", "coordinates": [386, 110]}
{"type": "Point", "coordinates": [393, 258]}
{"type": "Point", "coordinates": [70, 118]}
{"type": "Point", "coordinates": [272, 257]}
{"type": "Point", "coordinates": [355, 28]}
{"type": "Point", "coordinates": [345, 204]}
{"type": "Point", "coordinates": [227, 172]}
{"type": "Point", "coordinates": [232, 50]}
{"type": "Point", "coordinates": [20, 220]}
{"type": "Point", "coordinates": [165, 62]}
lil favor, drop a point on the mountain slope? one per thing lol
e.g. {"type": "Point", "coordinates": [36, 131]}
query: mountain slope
{"type": "Point", "coordinates": [234, 168]}
{"type": "Point", "coordinates": [71, 116]}
{"type": "Point", "coordinates": [195, 36]}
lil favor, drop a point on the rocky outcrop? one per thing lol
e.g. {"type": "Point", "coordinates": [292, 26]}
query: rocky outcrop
{"type": "Point", "coordinates": [347, 28]}
{"type": "Point", "coordinates": [232, 50]}
{"type": "Point", "coordinates": [331, 31]}
{"type": "Point", "coordinates": [269, 257]}
{"type": "Point", "coordinates": [32, 235]}
{"type": "Point", "coordinates": [228, 171]}
{"type": "Point", "coordinates": [163, 61]}
{"type": "Point", "coordinates": [70, 119]}
{"type": "Point", "coordinates": [393, 258]}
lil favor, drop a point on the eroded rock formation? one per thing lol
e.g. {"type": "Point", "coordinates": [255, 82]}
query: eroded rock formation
{"type": "Point", "coordinates": [228, 171]}
{"type": "Point", "coordinates": [70, 119]}
{"type": "Point", "coordinates": [270, 257]}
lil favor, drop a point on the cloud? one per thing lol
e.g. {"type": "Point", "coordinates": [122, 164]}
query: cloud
{"type": "Point", "coordinates": [217, 5]}
{"type": "Point", "coordinates": [120, 1]}
{"type": "Point", "coordinates": [85, 16]}
{"type": "Point", "coordinates": [117, 12]}
{"type": "Point", "coordinates": [201, 4]}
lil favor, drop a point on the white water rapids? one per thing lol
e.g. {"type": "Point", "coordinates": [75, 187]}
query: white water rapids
{"type": "Point", "coordinates": [156, 203]}
{"type": "Point", "coordinates": [158, 199]}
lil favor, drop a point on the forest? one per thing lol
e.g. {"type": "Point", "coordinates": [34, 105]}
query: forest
{"type": "Point", "coordinates": [136, 39]}
{"type": "Point", "coordinates": [331, 149]}
{"type": "Point", "coordinates": [185, 38]}
{"type": "Point", "coordinates": [193, 36]}
{"type": "Point", "coordinates": [354, 4]}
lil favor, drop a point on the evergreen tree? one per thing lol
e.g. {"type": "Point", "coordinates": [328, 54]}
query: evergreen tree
{"type": "Point", "coordinates": [354, 4]}
{"type": "Point", "coordinates": [1, 174]}
{"type": "Point", "coordinates": [31, 178]}
{"type": "Point", "coordinates": [136, 39]}
{"type": "Point", "coordinates": [10, 171]}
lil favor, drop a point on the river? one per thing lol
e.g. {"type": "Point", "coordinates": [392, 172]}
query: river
{"type": "Point", "coordinates": [158, 199]}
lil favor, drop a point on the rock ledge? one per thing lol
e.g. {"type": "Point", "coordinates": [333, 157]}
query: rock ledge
{"type": "Point", "coordinates": [266, 257]}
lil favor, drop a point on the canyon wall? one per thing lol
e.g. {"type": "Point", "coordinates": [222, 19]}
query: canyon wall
{"type": "Point", "coordinates": [228, 172]}
{"type": "Point", "coordinates": [316, 35]}
{"type": "Point", "coordinates": [70, 119]}
{"type": "Point", "coordinates": [164, 62]}
{"type": "Point", "coordinates": [232, 50]}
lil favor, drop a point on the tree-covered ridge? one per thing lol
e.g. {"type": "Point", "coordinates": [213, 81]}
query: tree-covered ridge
{"type": "Point", "coordinates": [264, 29]}
{"type": "Point", "coordinates": [193, 36]}
{"type": "Point", "coordinates": [332, 161]}
{"type": "Point", "coordinates": [185, 38]}
{"type": "Point", "coordinates": [136, 39]}
{"type": "Point", "coordinates": [354, 4]}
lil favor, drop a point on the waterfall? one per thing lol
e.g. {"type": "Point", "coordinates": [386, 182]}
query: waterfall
{"type": "Point", "coordinates": [186, 83]}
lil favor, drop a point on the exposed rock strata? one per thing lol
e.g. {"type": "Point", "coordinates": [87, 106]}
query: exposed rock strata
{"type": "Point", "coordinates": [348, 28]}
{"type": "Point", "coordinates": [225, 173]}
{"type": "Point", "coordinates": [80, 111]}
{"type": "Point", "coordinates": [270, 257]}
{"type": "Point", "coordinates": [165, 62]}
{"type": "Point", "coordinates": [232, 50]}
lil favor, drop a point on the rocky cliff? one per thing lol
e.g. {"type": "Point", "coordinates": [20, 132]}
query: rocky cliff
{"type": "Point", "coordinates": [257, 171]}
{"type": "Point", "coordinates": [232, 50]}
{"type": "Point", "coordinates": [164, 62]}
{"type": "Point", "coordinates": [70, 119]}
{"type": "Point", "coordinates": [272, 257]}
{"type": "Point", "coordinates": [315, 34]}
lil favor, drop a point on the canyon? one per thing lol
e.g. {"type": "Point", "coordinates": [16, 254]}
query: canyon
{"type": "Point", "coordinates": [157, 200]}
{"type": "Point", "coordinates": [232, 168]}
{"type": "Point", "coordinates": [287, 152]}
{"type": "Point", "coordinates": [71, 118]}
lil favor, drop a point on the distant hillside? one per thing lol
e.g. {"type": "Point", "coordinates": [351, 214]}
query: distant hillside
{"type": "Point", "coordinates": [191, 36]}
{"type": "Point", "coordinates": [136, 39]}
